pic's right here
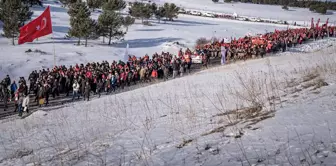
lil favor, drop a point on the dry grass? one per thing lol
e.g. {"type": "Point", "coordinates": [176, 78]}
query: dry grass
{"type": "Point", "coordinates": [310, 75]}
{"type": "Point", "coordinates": [318, 83]}
{"type": "Point", "coordinates": [184, 143]}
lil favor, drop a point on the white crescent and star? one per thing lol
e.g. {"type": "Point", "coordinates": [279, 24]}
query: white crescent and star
{"type": "Point", "coordinates": [44, 20]}
{"type": "Point", "coordinates": [44, 24]}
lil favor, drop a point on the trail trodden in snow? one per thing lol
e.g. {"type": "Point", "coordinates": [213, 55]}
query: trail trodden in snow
{"type": "Point", "coordinates": [276, 110]}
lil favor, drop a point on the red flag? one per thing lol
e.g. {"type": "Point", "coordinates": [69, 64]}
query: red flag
{"type": "Point", "coordinates": [317, 24]}
{"type": "Point", "coordinates": [39, 27]}
{"type": "Point", "coordinates": [312, 23]}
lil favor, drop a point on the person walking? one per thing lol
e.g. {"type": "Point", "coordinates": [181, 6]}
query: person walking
{"type": "Point", "coordinates": [20, 101]}
{"type": "Point", "coordinates": [75, 88]}
{"type": "Point", "coordinates": [113, 83]}
{"type": "Point", "coordinates": [82, 88]}
{"type": "Point", "coordinates": [40, 95]}
{"type": "Point", "coordinates": [25, 103]}
{"type": "Point", "coordinates": [181, 69]}
{"type": "Point", "coordinates": [175, 68]}
{"type": "Point", "coordinates": [46, 91]}
{"type": "Point", "coordinates": [13, 88]}
{"type": "Point", "coordinates": [165, 72]}
{"type": "Point", "coordinates": [87, 91]}
{"type": "Point", "coordinates": [99, 87]}
{"type": "Point", "coordinates": [223, 52]}
{"type": "Point", "coordinates": [5, 95]}
{"type": "Point", "coordinates": [67, 86]}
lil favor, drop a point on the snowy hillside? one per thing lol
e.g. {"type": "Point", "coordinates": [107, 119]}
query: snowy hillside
{"type": "Point", "coordinates": [278, 110]}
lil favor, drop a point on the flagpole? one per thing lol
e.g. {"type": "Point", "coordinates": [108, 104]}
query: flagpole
{"type": "Point", "coordinates": [52, 30]}
{"type": "Point", "coordinates": [54, 49]}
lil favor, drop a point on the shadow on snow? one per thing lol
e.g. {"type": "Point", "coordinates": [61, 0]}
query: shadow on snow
{"type": "Point", "coordinates": [52, 8]}
{"type": "Point", "coordinates": [185, 23]}
{"type": "Point", "coordinates": [139, 43]}
{"type": "Point", "coordinates": [56, 41]}
{"type": "Point", "coordinates": [149, 30]}
{"type": "Point", "coordinates": [61, 29]}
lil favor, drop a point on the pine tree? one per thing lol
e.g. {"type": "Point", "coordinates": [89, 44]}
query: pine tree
{"type": "Point", "coordinates": [14, 13]}
{"type": "Point", "coordinates": [90, 30]}
{"type": "Point", "coordinates": [127, 21]}
{"type": "Point", "coordinates": [160, 13]}
{"type": "Point", "coordinates": [171, 11]}
{"type": "Point", "coordinates": [146, 11]}
{"type": "Point", "coordinates": [141, 10]}
{"type": "Point", "coordinates": [32, 2]}
{"type": "Point", "coordinates": [1, 10]}
{"type": "Point", "coordinates": [94, 4]}
{"type": "Point", "coordinates": [113, 5]}
{"type": "Point", "coordinates": [153, 7]}
{"type": "Point", "coordinates": [68, 2]}
{"type": "Point", "coordinates": [110, 24]}
{"type": "Point", "coordinates": [79, 18]}
{"type": "Point", "coordinates": [135, 9]}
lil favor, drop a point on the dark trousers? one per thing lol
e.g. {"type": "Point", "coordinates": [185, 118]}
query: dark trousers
{"type": "Point", "coordinates": [87, 96]}
{"type": "Point", "coordinates": [47, 99]}
{"type": "Point", "coordinates": [74, 94]}
{"type": "Point", "coordinates": [98, 92]}
{"type": "Point", "coordinates": [20, 109]}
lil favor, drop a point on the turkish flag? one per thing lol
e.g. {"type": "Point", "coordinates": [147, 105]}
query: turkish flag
{"type": "Point", "coordinates": [40, 26]}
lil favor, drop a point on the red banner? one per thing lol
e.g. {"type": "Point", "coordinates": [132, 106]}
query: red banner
{"type": "Point", "coordinates": [39, 27]}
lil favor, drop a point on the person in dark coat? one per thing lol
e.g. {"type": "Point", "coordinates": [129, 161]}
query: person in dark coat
{"type": "Point", "coordinates": [5, 94]}
{"type": "Point", "coordinates": [181, 69]}
{"type": "Point", "coordinates": [175, 68]}
{"type": "Point", "coordinates": [82, 88]}
{"type": "Point", "coordinates": [46, 90]}
{"type": "Point", "coordinates": [87, 91]}
{"type": "Point", "coordinates": [62, 81]}
{"type": "Point", "coordinates": [7, 81]}
{"type": "Point", "coordinates": [99, 87]}
{"type": "Point", "coordinates": [55, 89]}
{"type": "Point", "coordinates": [67, 86]}
{"type": "Point", "coordinates": [165, 69]}
{"type": "Point", "coordinates": [262, 51]}
{"type": "Point", "coordinates": [13, 88]}
{"type": "Point", "coordinates": [19, 103]}
{"type": "Point", "coordinates": [113, 83]}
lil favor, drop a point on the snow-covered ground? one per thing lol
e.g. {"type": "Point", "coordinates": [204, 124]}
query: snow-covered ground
{"type": "Point", "coordinates": [279, 110]}
{"type": "Point", "coordinates": [193, 120]}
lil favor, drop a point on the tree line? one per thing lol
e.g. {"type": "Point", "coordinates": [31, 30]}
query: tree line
{"type": "Point", "coordinates": [313, 5]}
{"type": "Point", "coordinates": [143, 11]}
{"type": "Point", "coordinates": [110, 24]}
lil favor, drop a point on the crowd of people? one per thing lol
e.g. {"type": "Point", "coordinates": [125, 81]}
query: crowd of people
{"type": "Point", "coordinates": [82, 80]}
